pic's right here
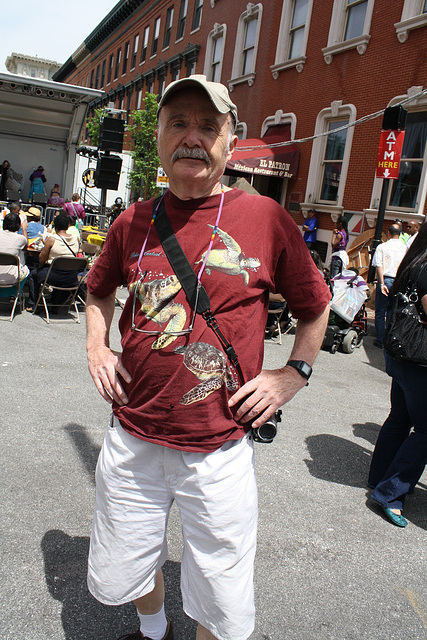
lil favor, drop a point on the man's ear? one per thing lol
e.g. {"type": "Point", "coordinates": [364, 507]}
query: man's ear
{"type": "Point", "coordinates": [234, 140]}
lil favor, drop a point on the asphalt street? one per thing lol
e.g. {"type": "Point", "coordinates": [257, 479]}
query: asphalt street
{"type": "Point", "coordinates": [329, 566]}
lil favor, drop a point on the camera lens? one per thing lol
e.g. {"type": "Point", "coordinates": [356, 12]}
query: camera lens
{"type": "Point", "coordinates": [267, 431]}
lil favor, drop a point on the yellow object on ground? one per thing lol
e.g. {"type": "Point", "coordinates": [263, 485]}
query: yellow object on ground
{"type": "Point", "coordinates": [94, 238]}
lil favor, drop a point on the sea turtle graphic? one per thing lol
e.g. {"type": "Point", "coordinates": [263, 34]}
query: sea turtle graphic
{"type": "Point", "coordinates": [208, 364]}
{"type": "Point", "coordinates": [157, 302]}
{"type": "Point", "coordinates": [230, 260]}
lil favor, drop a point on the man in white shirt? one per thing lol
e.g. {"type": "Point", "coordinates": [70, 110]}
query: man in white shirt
{"type": "Point", "coordinates": [387, 259]}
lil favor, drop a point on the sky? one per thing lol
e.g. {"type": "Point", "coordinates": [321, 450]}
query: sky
{"type": "Point", "coordinates": [52, 29]}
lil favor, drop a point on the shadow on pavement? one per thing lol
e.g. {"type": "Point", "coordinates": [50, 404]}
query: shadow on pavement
{"type": "Point", "coordinates": [85, 447]}
{"type": "Point", "coordinates": [83, 617]}
{"type": "Point", "coordinates": [368, 431]}
{"type": "Point", "coordinates": [338, 460]}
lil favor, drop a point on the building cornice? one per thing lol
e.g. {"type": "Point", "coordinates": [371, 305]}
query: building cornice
{"type": "Point", "coordinates": [105, 28]}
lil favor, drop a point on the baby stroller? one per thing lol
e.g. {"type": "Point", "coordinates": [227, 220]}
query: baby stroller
{"type": "Point", "coordinates": [348, 320]}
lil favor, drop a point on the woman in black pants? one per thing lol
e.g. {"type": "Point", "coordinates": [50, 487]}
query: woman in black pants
{"type": "Point", "coordinates": [400, 454]}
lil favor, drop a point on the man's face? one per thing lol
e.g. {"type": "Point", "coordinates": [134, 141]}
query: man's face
{"type": "Point", "coordinates": [194, 142]}
{"type": "Point", "coordinates": [412, 228]}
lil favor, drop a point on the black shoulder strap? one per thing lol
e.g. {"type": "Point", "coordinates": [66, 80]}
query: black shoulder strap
{"type": "Point", "coordinates": [66, 243]}
{"type": "Point", "coordinates": [188, 279]}
{"type": "Point", "coordinates": [178, 260]}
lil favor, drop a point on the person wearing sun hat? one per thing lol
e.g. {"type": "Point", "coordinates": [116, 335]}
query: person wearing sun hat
{"type": "Point", "coordinates": [35, 228]}
{"type": "Point", "coordinates": [181, 425]}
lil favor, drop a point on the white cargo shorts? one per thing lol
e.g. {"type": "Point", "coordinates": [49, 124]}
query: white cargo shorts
{"type": "Point", "coordinates": [136, 484]}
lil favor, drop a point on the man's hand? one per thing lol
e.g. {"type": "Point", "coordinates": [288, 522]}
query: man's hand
{"type": "Point", "coordinates": [104, 367]}
{"type": "Point", "coordinates": [264, 394]}
{"type": "Point", "coordinates": [384, 289]}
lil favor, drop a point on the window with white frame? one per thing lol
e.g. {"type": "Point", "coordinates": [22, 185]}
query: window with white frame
{"type": "Point", "coordinates": [296, 32]}
{"type": "Point", "coordinates": [403, 192]}
{"type": "Point", "coordinates": [293, 36]}
{"type": "Point", "coordinates": [332, 161]}
{"type": "Point", "coordinates": [355, 18]}
{"type": "Point", "coordinates": [145, 44]}
{"type": "Point", "coordinates": [168, 28]}
{"type": "Point", "coordinates": [216, 64]}
{"type": "Point", "coordinates": [162, 82]}
{"type": "Point", "coordinates": [414, 16]}
{"type": "Point", "coordinates": [215, 52]}
{"type": "Point", "coordinates": [350, 26]}
{"type": "Point", "coordinates": [182, 17]}
{"type": "Point", "coordinates": [103, 74]}
{"type": "Point", "coordinates": [249, 46]}
{"type": "Point", "coordinates": [118, 58]}
{"type": "Point", "coordinates": [330, 157]}
{"type": "Point", "coordinates": [139, 99]}
{"type": "Point", "coordinates": [197, 16]}
{"type": "Point", "coordinates": [135, 51]}
{"type": "Point", "coordinates": [125, 58]}
{"type": "Point", "coordinates": [245, 51]}
{"type": "Point", "coordinates": [155, 36]}
{"type": "Point", "coordinates": [110, 68]}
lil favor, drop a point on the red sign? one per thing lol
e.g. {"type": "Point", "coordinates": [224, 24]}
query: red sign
{"type": "Point", "coordinates": [389, 152]}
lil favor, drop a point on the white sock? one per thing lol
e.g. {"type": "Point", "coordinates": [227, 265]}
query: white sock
{"type": "Point", "coordinates": [153, 626]}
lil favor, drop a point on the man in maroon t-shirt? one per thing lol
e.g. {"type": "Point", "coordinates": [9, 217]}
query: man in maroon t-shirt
{"type": "Point", "coordinates": [181, 425]}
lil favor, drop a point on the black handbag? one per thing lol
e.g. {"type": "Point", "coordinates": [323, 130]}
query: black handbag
{"type": "Point", "coordinates": [406, 332]}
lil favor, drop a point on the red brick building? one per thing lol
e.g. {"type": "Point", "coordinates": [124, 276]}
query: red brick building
{"type": "Point", "coordinates": [303, 71]}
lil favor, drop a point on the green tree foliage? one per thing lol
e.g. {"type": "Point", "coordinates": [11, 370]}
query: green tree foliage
{"type": "Point", "coordinates": [143, 177]}
{"type": "Point", "coordinates": [93, 124]}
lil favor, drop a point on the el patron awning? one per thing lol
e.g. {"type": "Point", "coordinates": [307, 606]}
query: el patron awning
{"type": "Point", "coordinates": [266, 156]}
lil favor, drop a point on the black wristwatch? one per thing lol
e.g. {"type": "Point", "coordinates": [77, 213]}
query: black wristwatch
{"type": "Point", "coordinates": [302, 367]}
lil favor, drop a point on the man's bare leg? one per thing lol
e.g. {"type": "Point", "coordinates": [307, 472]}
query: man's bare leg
{"type": "Point", "coordinates": [204, 634]}
{"type": "Point", "coordinates": [151, 603]}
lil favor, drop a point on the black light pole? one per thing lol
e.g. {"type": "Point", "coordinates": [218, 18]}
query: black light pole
{"type": "Point", "coordinates": [394, 119]}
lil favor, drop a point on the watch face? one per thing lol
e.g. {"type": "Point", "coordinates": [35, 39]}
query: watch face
{"type": "Point", "coordinates": [302, 367]}
{"type": "Point", "coordinates": [305, 369]}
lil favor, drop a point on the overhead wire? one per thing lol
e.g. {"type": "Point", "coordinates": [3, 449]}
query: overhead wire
{"type": "Point", "coordinates": [361, 120]}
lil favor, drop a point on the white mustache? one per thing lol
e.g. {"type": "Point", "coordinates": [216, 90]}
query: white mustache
{"type": "Point", "coordinates": [185, 152]}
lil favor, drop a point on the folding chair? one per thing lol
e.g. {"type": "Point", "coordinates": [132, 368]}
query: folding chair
{"type": "Point", "coordinates": [90, 250]}
{"type": "Point", "coordinates": [13, 289]}
{"type": "Point", "coordinates": [277, 326]}
{"type": "Point", "coordinates": [62, 264]}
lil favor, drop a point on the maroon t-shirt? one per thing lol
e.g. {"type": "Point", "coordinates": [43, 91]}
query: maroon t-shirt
{"type": "Point", "coordinates": [180, 386]}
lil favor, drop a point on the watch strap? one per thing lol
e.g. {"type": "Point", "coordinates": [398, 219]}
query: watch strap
{"type": "Point", "coordinates": [303, 368]}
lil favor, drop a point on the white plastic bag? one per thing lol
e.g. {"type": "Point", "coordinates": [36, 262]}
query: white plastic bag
{"type": "Point", "coordinates": [349, 293]}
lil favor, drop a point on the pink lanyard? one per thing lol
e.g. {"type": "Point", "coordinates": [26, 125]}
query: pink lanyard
{"type": "Point", "coordinates": [215, 229]}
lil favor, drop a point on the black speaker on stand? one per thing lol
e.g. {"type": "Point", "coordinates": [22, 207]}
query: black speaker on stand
{"type": "Point", "coordinates": [107, 172]}
{"type": "Point", "coordinates": [111, 133]}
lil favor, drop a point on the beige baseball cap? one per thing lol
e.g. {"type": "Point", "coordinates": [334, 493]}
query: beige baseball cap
{"type": "Point", "coordinates": [217, 93]}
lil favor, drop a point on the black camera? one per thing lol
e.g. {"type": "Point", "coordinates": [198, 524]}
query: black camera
{"type": "Point", "coordinates": [267, 431]}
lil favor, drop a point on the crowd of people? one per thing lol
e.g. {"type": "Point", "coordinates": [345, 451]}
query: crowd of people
{"type": "Point", "coordinates": [22, 230]}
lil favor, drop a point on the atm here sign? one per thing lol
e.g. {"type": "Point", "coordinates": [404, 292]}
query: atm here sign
{"type": "Point", "coordinates": [389, 153]}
